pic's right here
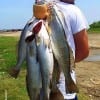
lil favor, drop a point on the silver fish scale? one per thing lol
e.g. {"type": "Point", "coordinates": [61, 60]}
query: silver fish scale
{"type": "Point", "coordinates": [61, 49]}
{"type": "Point", "coordinates": [59, 39]}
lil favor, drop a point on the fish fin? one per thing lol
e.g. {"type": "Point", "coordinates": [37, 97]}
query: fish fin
{"type": "Point", "coordinates": [71, 87]}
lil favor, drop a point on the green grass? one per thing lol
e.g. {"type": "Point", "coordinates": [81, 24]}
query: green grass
{"type": "Point", "coordinates": [7, 52]}
{"type": "Point", "coordinates": [94, 30]}
{"type": "Point", "coordinates": [15, 88]}
{"type": "Point", "coordinates": [82, 96]}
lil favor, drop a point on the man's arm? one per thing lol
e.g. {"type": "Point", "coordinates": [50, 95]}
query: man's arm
{"type": "Point", "coordinates": [81, 44]}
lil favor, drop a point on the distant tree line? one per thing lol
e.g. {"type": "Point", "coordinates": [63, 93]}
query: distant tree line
{"type": "Point", "coordinates": [95, 25]}
{"type": "Point", "coordinates": [10, 30]}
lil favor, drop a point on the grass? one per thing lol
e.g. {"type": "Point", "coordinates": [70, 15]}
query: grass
{"type": "Point", "coordinates": [94, 30]}
{"type": "Point", "coordinates": [15, 88]}
{"type": "Point", "coordinates": [7, 52]}
{"type": "Point", "coordinates": [82, 96]}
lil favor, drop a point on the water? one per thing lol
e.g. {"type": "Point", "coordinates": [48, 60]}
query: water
{"type": "Point", "coordinates": [94, 55]}
{"type": "Point", "coordinates": [93, 58]}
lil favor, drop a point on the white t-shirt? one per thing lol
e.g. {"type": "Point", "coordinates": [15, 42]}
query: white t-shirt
{"type": "Point", "coordinates": [74, 21]}
{"type": "Point", "coordinates": [61, 86]}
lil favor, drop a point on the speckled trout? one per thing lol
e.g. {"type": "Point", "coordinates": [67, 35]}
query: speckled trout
{"type": "Point", "coordinates": [33, 78]}
{"type": "Point", "coordinates": [34, 48]}
{"type": "Point", "coordinates": [27, 51]}
{"type": "Point", "coordinates": [45, 58]}
{"type": "Point", "coordinates": [61, 49]}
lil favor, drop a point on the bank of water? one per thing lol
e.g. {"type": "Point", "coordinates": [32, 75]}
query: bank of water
{"type": "Point", "coordinates": [94, 55]}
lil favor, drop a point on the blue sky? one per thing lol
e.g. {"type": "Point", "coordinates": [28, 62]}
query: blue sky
{"type": "Point", "coordinates": [15, 13]}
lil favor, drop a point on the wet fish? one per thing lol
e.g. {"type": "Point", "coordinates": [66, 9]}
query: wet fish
{"type": "Point", "coordinates": [45, 57]}
{"type": "Point", "coordinates": [22, 44]}
{"type": "Point", "coordinates": [34, 47]}
{"type": "Point", "coordinates": [61, 49]}
{"type": "Point", "coordinates": [27, 51]}
{"type": "Point", "coordinates": [33, 78]}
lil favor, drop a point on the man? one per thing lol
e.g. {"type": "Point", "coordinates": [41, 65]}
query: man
{"type": "Point", "coordinates": [78, 41]}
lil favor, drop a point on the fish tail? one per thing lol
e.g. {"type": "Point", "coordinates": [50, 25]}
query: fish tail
{"type": "Point", "coordinates": [71, 87]}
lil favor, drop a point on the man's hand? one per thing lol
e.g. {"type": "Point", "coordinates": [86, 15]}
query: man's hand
{"type": "Point", "coordinates": [14, 72]}
{"type": "Point", "coordinates": [50, 5]}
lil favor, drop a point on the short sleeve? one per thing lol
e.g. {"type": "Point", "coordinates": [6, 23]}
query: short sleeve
{"type": "Point", "coordinates": [78, 21]}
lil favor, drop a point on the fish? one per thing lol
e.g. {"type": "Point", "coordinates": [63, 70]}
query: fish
{"type": "Point", "coordinates": [33, 77]}
{"type": "Point", "coordinates": [45, 58]}
{"type": "Point", "coordinates": [34, 47]}
{"type": "Point", "coordinates": [61, 49]}
{"type": "Point", "coordinates": [27, 52]}
{"type": "Point", "coordinates": [21, 52]}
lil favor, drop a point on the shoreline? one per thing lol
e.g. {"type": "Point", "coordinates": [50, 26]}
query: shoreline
{"type": "Point", "coordinates": [94, 39]}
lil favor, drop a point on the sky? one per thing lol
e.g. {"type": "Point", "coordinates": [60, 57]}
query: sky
{"type": "Point", "coordinates": [15, 13]}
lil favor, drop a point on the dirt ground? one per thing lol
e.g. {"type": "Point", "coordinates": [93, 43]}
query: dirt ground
{"type": "Point", "coordinates": [88, 72]}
